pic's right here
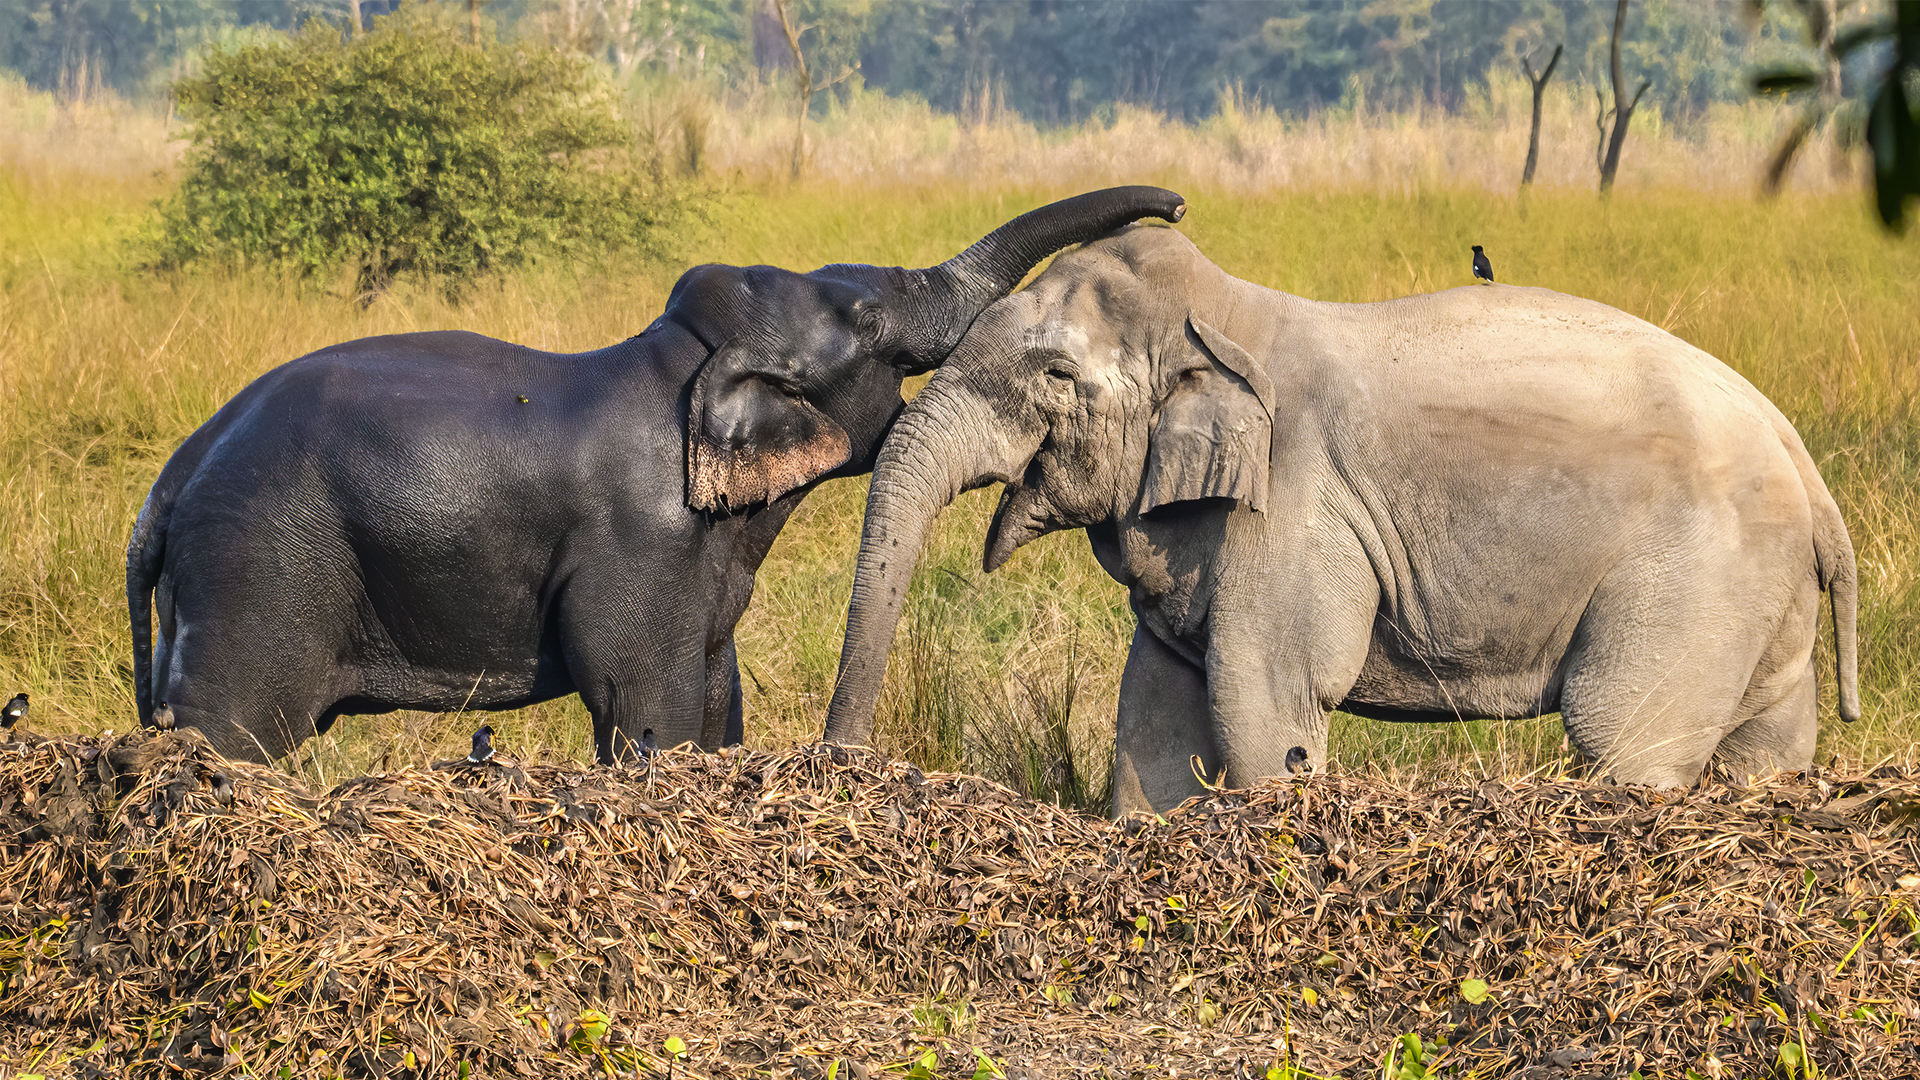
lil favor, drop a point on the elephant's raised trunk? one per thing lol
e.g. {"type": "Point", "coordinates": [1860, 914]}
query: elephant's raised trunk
{"type": "Point", "coordinates": [946, 442]}
{"type": "Point", "coordinates": [995, 263]}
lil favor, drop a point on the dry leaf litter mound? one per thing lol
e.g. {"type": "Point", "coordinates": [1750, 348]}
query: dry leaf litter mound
{"type": "Point", "coordinates": [168, 912]}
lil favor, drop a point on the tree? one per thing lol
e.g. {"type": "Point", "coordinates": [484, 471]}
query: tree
{"type": "Point", "coordinates": [1884, 106]}
{"type": "Point", "coordinates": [402, 151]}
{"type": "Point", "coordinates": [804, 85]}
{"type": "Point", "coordinates": [78, 47]}
{"type": "Point", "coordinates": [1621, 113]}
{"type": "Point", "coordinates": [1539, 93]}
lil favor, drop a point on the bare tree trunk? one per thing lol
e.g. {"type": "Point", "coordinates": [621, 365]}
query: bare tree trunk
{"type": "Point", "coordinates": [1539, 95]}
{"type": "Point", "coordinates": [1601, 112]}
{"type": "Point", "coordinates": [473, 22]}
{"type": "Point", "coordinates": [353, 9]}
{"type": "Point", "coordinates": [1622, 112]}
{"type": "Point", "coordinates": [804, 85]}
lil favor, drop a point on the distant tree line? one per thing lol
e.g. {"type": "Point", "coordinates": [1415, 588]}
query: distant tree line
{"type": "Point", "coordinates": [1052, 61]}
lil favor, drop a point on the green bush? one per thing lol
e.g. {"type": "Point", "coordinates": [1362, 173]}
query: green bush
{"type": "Point", "coordinates": [405, 151]}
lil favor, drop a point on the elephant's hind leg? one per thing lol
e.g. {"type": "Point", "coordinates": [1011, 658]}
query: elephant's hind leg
{"type": "Point", "coordinates": [1658, 667]}
{"type": "Point", "coordinates": [1779, 717]}
{"type": "Point", "coordinates": [254, 693]}
{"type": "Point", "coordinates": [1779, 736]}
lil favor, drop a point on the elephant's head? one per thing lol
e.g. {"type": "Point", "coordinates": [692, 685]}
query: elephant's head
{"type": "Point", "coordinates": [804, 372]}
{"type": "Point", "coordinates": [1094, 394]}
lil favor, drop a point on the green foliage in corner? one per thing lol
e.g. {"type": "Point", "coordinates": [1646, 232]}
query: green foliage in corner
{"type": "Point", "coordinates": [405, 151]}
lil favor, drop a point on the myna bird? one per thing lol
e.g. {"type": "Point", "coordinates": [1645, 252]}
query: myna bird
{"type": "Point", "coordinates": [1482, 269]}
{"type": "Point", "coordinates": [482, 746]}
{"type": "Point", "coordinates": [483, 762]}
{"type": "Point", "coordinates": [163, 716]}
{"type": "Point", "coordinates": [15, 712]}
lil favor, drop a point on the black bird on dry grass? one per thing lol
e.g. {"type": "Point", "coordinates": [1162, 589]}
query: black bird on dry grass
{"type": "Point", "coordinates": [482, 745]}
{"type": "Point", "coordinates": [163, 716]}
{"type": "Point", "coordinates": [15, 712]}
{"type": "Point", "coordinates": [484, 762]}
{"type": "Point", "coordinates": [1482, 269]}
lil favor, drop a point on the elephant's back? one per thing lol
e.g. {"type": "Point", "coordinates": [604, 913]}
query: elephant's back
{"type": "Point", "coordinates": [1532, 349]}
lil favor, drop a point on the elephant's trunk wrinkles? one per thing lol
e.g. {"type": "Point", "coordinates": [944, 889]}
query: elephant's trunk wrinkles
{"type": "Point", "coordinates": [991, 268]}
{"type": "Point", "coordinates": [944, 444]}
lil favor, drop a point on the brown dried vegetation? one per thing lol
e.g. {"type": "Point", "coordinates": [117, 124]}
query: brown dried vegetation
{"type": "Point", "coordinates": [779, 912]}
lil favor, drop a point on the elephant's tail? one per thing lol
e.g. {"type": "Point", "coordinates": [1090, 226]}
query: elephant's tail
{"type": "Point", "coordinates": [1833, 562]}
{"type": "Point", "coordinates": [145, 552]}
{"type": "Point", "coordinates": [1833, 552]}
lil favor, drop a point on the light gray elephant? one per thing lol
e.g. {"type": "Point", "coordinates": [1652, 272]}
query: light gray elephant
{"type": "Point", "coordinates": [1485, 502]}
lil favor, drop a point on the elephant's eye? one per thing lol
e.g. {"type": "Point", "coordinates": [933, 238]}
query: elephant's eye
{"type": "Point", "coordinates": [1060, 371]}
{"type": "Point", "coordinates": [869, 324]}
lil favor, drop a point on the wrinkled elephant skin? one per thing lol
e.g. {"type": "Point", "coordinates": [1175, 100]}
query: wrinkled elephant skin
{"type": "Point", "coordinates": [1481, 503]}
{"type": "Point", "coordinates": [445, 521]}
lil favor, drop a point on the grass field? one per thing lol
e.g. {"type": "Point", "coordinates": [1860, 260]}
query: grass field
{"type": "Point", "coordinates": [104, 369]}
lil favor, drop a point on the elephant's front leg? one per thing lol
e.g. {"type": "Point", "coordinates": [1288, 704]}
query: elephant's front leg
{"type": "Point", "coordinates": [638, 671]}
{"type": "Point", "coordinates": [724, 724]}
{"type": "Point", "coordinates": [1286, 642]}
{"type": "Point", "coordinates": [1162, 726]}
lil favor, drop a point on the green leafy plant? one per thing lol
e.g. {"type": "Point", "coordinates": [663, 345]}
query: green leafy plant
{"type": "Point", "coordinates": [1407, 1059]}
{"type": "Point", "coordinates": [403, 151]}
{"type": "Point", "coordinates": [926, 1067]}
{"type": "Point", "coordinates": [1884, 111]}
{"type": "Point", "coordinates": [1794, 1061]}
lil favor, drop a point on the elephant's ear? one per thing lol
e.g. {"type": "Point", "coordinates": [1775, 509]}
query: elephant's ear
{"type": "Point", "coordinates": [751, 436]}
{"type": "Point", "coordinates": [1213, 434]}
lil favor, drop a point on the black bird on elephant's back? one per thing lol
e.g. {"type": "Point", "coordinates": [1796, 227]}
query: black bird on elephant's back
{"type": "Point", "coordinates": [465, 523]}
{"type": "Point", "coordinates": [1482, 269]}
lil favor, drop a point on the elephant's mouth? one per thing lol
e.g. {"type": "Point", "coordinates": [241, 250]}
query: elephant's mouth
{"type": "Point", "coordinates": [1024, 515]}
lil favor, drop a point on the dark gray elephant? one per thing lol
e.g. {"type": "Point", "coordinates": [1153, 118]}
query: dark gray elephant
{"type": "Point", "coordinates": [1486, 502]}
{"type": "Point", "coordinates": [445, 521]}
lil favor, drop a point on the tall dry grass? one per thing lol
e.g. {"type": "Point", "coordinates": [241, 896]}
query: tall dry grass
{"type": "Point", "coordinates": [1250, 147]}
{"type": "Point", "coordinates": [105, 369]}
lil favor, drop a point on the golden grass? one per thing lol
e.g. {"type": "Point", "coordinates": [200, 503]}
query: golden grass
{"type": "Point", "coordinates": [104, 370]}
